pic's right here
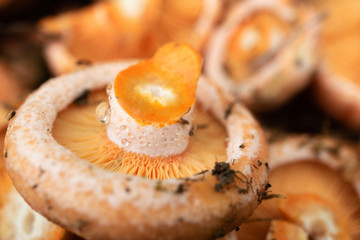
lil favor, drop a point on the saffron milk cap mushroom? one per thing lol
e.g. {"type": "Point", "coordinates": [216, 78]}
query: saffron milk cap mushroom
{"type": "Point", "coordinates": [264, 52]}
{"type": "Point", "coordinates": [337, 84]}
{"type": "Point", "coordinates": [102, 31]}
{"type": "Point", "coordinates": [315, 189]}
{"type": "Point", "coordinates": [124, 29]}
{"type": "Point", "coordinates": [149, 174]}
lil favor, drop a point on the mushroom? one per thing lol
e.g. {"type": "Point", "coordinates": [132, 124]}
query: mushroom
{"type": "Point", "coordinates": [124, 29]}
{"type": "Point", "coordinates": [118, 29]}
{"type": "Point", "coordinates": [17, 220]}
{"type": "Point", "coordinates": [264, 52]}
{"type": "Point", "coordinates": [188, 21]}
{"type": "Point", "coordinates": [319, 196]}
{"type": "Point", "coordinates": [152, 99]}
{"type": "Point", "coordinates": [337, 84]}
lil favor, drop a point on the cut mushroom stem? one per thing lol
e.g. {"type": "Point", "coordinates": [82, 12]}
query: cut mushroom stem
{"type": "Point", "coordinates": [284, 230]}
{"type": "Point", "coordinates": [153, 102]}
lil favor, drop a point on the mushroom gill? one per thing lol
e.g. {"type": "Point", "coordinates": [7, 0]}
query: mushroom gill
{"type": "Point", "coordinates": [124, 29]}
{"type": "Point", "coordinates": [253, 42]}
{"type": "Point", "coordinates": [337, 85]}
{"type": "Point", "coordinates": [78, 129]}
{"type": "Point", "coordinates": [314, 197]}
{"type": "Point", "coordinates": [264, 51]}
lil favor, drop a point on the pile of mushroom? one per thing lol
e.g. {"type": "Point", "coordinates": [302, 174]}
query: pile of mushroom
{"type": "Point", "coordinates": [178, 119]}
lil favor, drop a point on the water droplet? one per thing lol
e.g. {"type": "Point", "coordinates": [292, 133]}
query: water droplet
{"type": "Point", "coordinates": [164, 139]}
{"type": "Point", "coordinates": [108, 89]}
{"type": "Point", "coordinates": [148, 144]}
{"type": "Point", "coordinates": [103, 112]}
{"type": "Point", "coordinates": [124, 128]}
{"type": "Point", "coordinates": [125, 142]}
{"type": "Point", "coordinates": [128, 120]}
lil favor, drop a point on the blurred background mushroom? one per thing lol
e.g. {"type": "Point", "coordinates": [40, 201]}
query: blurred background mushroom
{"type": "Point", "coordinates": [264, 51]}
{"type": "Point", "coordinates": [337, 86]}
{"type": "Point", "coordinates": [315, 184]}
{"type": "Point", "coordinates": [124, 29]}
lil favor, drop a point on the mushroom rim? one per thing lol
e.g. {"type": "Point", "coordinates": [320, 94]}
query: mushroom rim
{"type": "Point", "coordinates": [344, 100]}
{"type": "Point", "coordinates": [29, 143]}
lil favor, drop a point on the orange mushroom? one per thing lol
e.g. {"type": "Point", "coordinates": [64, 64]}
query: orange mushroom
{"type": "Point", "coordinates": [317, 191]}
{"type": "Point", "coordinates": [264, 52]}
{"type": "Point", "coordinates": [337, 85]}
{"type": "Point", "coordinates": [124, 29]}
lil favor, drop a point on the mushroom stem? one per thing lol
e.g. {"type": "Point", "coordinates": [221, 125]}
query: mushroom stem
{"type": "Point", "coordinates": [149, 139]}
{"type": "Point", "coordinates": [152, 103]}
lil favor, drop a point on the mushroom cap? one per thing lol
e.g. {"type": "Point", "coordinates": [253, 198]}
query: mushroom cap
{"type": "Point", "coordinates": [283, 51]}
{"type": "Point", "coordinates": [94, 203]}
{"type": "Point", "coordinates": [316, 180]}
{"type": "Point", "coordinates": [115, 35]}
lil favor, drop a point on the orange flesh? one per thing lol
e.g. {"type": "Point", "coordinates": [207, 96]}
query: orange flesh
{"type": "Point", "coordinates": [77, 129]}
{"type": "Point", "coordinates": [255, 37]}
{"type": "Point", "coordinates": [160, 90]}
{"type": "Point", "coordinates": [306, 181]}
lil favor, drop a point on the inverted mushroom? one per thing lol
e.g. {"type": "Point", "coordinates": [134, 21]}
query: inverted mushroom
{"type": "Point", "coordinates": [337, 85]}
{"type": "Point", "coordinates": [264, 52]}
{"type": "Point", "coordinates": [124, 29]}
{"type": "Point", "coordinates": [316, 191]}
{"type": "Point", "coordinates": [103, 203]}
